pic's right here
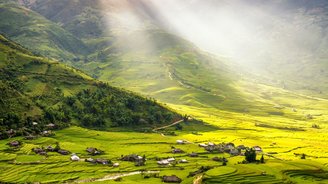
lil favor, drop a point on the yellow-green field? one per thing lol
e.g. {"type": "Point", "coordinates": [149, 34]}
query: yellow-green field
{"type": "Point", "coordinates": [283, 166]}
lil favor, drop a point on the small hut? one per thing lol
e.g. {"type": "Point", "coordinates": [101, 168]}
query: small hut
{"type": "Point", "coordinates": [50, 149]}
{"type": "Point", "coordinates": [91, 160]}
{"type": "Point", "coordinates": [177, 150]}
{"type": "Point", "coordinates": [14, 143]}
{"type": "Point", "coordinates": [102, 161]}
{"type": "Point", "coordinates": [193, 154]}
{"type": "Point", "coordinates": [93, 151]}
{"type": "Point", "coordinates": [257, 148]}
{"type": "Point", "coordinates": [183, 161]}
{"type": "Point", "coordinates": [63, 152]}
{"type": "Point", "coordinates": [51, 125]}
{"type": "Point", "coordinates": [74, 157]}
{"type": "Point", "coordinates": [171, 179]}
{"type": "Point", "coordinates": [131, 158]}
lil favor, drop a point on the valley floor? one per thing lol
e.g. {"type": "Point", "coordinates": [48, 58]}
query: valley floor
{"type": "Point", "coordinates": [281, 148]}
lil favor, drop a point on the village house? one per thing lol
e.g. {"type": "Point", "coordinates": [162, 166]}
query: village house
{"type": "Point", "coordinates": [91, 160]}
{"type": "Point", "coordinates": [234, 152]}
{"type": "Point", "coordinates": [177, 150]}
{"type": "Point", "coordinates": [211, 144]}
{"type": "Point", "coordinates": [11, 132]}
{"type": "Point", "coordinates": [93, 151]}
{"type": "Point", "coordinates": [44, 153]}
{"type": "Point", "coordinates": [74, 157]}
{"type": "Point", "coordinates": [229, 146]}
{"type": "Point", "coordinates": [47, 133]}
{"type": "Point", "coordinates": [166, 161]}
{"type": "Point", "coordinates": [50, 149]}
{"type": "Point", "coordinates": [171, 159]}
{"type": "Point", "coordinates": [140, 162]}
{"type": "Point", "coordinates": [102, 161]}
{"type": "Point", "coordinates": [219, 159]}
{"type": "Point", "coordinates": [202, 145]}
{"type": "Point", "coordinates": [215, 148]}
{"type": "Point", "coordinates": [63, 152]}
{"type": "Point", "coordinates": [163, 162]}
{"type": "Point", "coordinates": [241, 147]}
{"type": "Point", "coordinates": [131, 158]}
{"type": "Point", "coordinates": [257, 148]}
{"type": "Point", "coordinates": [210, 148]}
{"type": "Point", "coordinates": [116, 165]}
{"type": "Point", "coordinates": [39, 151]}
{"type": "Point", "coordinates": [51, 125]}
{"type": "Point", "coordinates": [171, 179]}
{"type": "Point", "coordinates": [183, 161]}
{"type": "Point", "coordinates": [14, 143]}
{"type": "Point", "coordinates": [193, 154]}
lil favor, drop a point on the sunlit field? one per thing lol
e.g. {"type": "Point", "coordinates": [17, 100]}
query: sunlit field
{"type": "Point", "coordinates": [284, 138]}
{"type": "Point", "coordinates": [149, 78]}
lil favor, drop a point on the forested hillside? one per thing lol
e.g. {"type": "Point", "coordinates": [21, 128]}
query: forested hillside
{"type": "Point", "coordinates": [36, 92]}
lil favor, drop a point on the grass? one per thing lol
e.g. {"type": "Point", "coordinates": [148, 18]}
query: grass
{"type": "Point", "coordinates": [285, 167]}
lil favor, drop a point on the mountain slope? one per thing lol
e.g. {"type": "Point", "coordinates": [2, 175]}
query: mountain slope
{"type": "Point", "coordinates": [39, 34]}
{"type": "Point", "coordinates": [36, 89]}
{"type": "Point", "coordinates": [128, 55]}
{"type": "Point", "coordinates": [285, 41]}
{"type": "Point", "coordinates": [166, 67]}
{"type": "Point", "coordinates": [158, 63]}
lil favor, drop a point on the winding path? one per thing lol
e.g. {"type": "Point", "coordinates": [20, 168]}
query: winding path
{"type": "Point", "coordinates": [166, 126]}
{"type": "Point", "coordinates": [116, 176]}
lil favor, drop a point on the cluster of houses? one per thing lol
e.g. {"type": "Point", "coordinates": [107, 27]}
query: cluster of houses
{"type": "Point", "coordinates": [138, 160]}
{"type": "Point", "coordinates": [210, 147]}
{"type": "Point", "coordinates": [93, 152]}
{"type": "Point", "coordinates": [170, 161]}
{"type": "Point", "coordinates": [101, 161]}
{"type": "Point", "coordinates": [44, 151]}
{"type": "Point", "coordinates": [228, 148]}
{"type": "Point", "coordinates": [45, 133]}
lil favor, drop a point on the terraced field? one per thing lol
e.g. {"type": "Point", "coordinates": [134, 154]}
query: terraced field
{"type": "Point", "coordinates": [26, 166]}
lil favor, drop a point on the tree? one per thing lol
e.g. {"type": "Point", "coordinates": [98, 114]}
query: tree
{"type": "Point", "coordinates": [250, 155]}
{"type": "Point", "coordinates": [178, 127]}
{"type": "Point", "coordinates": [303, 156]}
{"type": "Point", "coordinates": [262, 159]}
{"type": "Point", "coordinates": [57, 146]}
{"type": "Point", "coordinates": [185, 118]}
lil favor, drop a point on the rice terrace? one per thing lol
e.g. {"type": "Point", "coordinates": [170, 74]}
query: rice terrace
{"type": "Point", "coordinates": [174, 91]}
